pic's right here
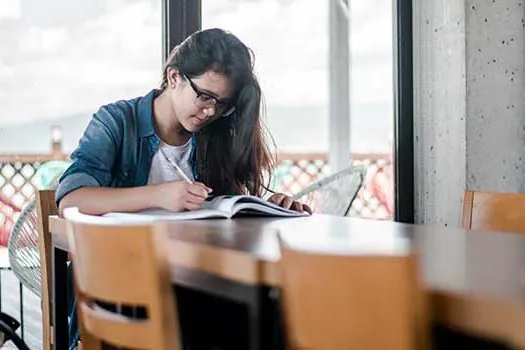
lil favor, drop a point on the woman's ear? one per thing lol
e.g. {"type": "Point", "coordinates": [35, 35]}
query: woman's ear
{"type": "Point", "coordinates": [174, 77]}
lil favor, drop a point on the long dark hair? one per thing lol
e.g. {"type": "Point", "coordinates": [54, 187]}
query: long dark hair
{"type": "Point", "coordinates": [232, 153]}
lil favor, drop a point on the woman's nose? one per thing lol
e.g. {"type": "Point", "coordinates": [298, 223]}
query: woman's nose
{"type": "Point", "coordinates": [209, 111]}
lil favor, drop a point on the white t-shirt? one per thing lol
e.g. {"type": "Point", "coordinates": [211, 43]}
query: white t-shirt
{"type": "Point", "coordinates": [162, 171]}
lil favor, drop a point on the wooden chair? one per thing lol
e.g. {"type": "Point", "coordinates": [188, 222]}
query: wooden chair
{"type": "Point", "coordinates": [494, 211]}
{"type": "Point", "coordinates": [485, 317]}
{"type": "Point", "coordinates": [123, 265]}
{"type": "Point", "coordinates": [351, 301]}
{"type": "Point", "coordinates": [45, 206]}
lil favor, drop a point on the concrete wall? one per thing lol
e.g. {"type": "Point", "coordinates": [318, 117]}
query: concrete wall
{"type": "Point", "coordinates": [495, 59]}
{"type": "Point", "coordinates": [469, 118]}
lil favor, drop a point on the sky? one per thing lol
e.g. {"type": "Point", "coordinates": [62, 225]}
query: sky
{"type": "Point", "coordinates": [62, 58]}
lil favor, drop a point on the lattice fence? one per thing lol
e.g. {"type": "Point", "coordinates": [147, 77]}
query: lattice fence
{"type": "Point", "coordinates": [293, 173]}
{"type": "Point", "coordinates": [16, 181]}
{"type": "Point", "coordinates": [17, 177]}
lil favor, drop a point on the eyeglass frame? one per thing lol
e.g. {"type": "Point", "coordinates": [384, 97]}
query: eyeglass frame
{"type": "Point", "coordinates": [226, 104]}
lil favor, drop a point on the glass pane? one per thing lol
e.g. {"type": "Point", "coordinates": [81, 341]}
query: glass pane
{"type": "Point", "coordinates": [60, 60]}
{"type": "Point", "coordinates": [290, 60]}
{"type": "Point", "coordinates": [290, 39]}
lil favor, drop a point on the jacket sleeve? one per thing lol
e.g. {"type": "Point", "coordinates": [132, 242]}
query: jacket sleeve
{"type": "Point", "coordinates": [94, 158]}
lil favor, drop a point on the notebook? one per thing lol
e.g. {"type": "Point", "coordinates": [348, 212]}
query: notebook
{"type": "Point", "coordinates": [216, 207]}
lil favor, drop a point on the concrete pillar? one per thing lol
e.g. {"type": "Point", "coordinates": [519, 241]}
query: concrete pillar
{"type": "Point", "coordinates": [439, 110]}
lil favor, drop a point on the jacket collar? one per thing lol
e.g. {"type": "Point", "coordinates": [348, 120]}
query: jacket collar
{"type": "Point", "coordinates": [145, 114]}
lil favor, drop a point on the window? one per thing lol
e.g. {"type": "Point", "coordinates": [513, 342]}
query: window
{"type": "Point", "coordinates": [60, 60]}
{"type": "Point", "coordinates": [290, 39]}
{"type": "Point", "coordinates": [291, 57]}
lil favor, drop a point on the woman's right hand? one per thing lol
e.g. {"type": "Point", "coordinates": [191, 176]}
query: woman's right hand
{"type": "Point", "coordinates": [181, 195]}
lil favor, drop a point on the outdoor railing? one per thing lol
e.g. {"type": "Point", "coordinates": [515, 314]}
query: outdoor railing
{"type": "Point", "coordinates": [294, 172]}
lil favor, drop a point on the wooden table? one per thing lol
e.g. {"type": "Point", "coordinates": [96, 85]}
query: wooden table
{"type": "Point", "coordinates": [475, 279]}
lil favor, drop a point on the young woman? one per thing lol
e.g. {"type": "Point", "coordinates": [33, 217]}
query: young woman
{"type": "Point", "coordinates": [206, 118]}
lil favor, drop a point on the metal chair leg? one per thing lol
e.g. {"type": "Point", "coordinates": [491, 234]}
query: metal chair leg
{"type": "Point", "coordinates": [21, 288]}
{"type": "Point", "coordinates": [0, 290]}
{"type": "Point", "coordinates": [11, 335]}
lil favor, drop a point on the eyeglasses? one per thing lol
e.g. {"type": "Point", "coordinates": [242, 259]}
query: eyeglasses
{"type": "Point", "coordinates": [223, 108]}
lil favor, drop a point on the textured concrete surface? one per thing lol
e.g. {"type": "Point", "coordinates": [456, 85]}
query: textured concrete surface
{"type": "Point", "coordinates": [439, 109]}
{"type": "Point", "coordinates": [495, 59]}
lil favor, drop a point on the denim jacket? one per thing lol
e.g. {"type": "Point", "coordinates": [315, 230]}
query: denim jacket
{"type": "Point", "coordinates": [116, 149]}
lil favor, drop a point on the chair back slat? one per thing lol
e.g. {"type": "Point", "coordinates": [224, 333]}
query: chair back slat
{"type": "Point", "coordinates": [117, 329]}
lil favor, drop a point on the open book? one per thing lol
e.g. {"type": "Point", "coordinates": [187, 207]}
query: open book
{"type": "Point", "coordinates": [216, 207]}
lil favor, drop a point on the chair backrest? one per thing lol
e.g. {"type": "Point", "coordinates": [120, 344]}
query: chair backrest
{"type": "Point", "coordinates": [492, 211]}
{"type": "Point", "coordinates": [351, 302]}
{"type": "Point", "coordinates": [45, 206]}
{"type": "Point", "coordinates": [122, 264]}
{"type": "Point", "coordinates": [334, 194]}
{"type": "Point", "coordinates": [24, 250]}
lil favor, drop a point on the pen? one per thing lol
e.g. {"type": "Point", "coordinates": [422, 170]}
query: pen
{"type": "Point", "coordinates": [177, 168]}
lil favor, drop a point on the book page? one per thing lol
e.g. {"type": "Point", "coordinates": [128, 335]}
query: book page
{"type": "Point", "coordinates": [249, 204]}
{"type": "Point", "coordinates": [167, 215]}
{"type": "Point", "coordinates": [224, 203]}
{"type": "Point", "coordinates": [256, 209]}
{"type": "Point", "coordinates": [218, 207]}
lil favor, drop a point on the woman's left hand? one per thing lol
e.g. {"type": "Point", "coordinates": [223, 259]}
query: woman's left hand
{"type": "Point", "coordinates": [287, 202]}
